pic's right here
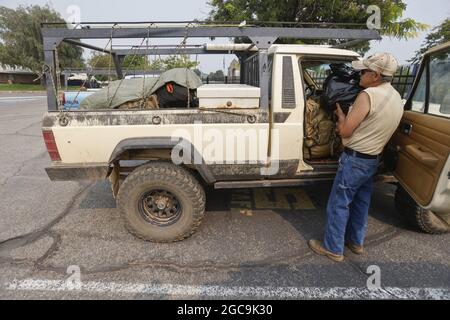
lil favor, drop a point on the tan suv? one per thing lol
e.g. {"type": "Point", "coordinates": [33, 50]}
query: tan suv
{"type": "Point", "coordinates": [421, 146]}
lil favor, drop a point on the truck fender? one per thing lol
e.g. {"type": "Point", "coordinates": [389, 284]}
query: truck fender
{"type": "Point", "coordinates": [164, 143]}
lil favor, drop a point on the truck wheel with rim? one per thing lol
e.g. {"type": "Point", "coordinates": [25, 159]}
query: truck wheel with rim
{"type": "Point", "coordinates": [423, 219]}
{"type": "Point", "coordinates": [161, 202]}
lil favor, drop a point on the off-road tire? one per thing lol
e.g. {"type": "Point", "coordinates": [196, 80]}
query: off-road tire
{"type": "Point", "coordinates": [418, 217]}
{"type": "Point", "coordinates": [175, 179]}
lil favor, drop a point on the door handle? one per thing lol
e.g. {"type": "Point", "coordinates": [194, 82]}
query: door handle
{"type": "Point", "coordinates": [405, 128]}
{"type": "Point", "coordinates": [425, 157]}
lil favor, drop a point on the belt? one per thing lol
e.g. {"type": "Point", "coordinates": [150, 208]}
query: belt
{"type": "Point", "coordinates": [357, 154]}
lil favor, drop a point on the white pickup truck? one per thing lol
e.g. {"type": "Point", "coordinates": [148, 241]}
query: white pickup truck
{"type": "Point", "coordinates": [240, 136]}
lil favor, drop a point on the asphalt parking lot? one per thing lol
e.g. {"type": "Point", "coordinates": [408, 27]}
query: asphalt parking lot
{"type": "Point", "coordinates": [251, 244]}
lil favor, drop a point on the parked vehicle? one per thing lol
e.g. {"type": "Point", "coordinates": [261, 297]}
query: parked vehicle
{"type": "Point", "coordinates": [253, 134]}
{"type": "Point", "coordinates": [82, 80]}
{"type": "Point", "coordinates": [137, 76]}
{"type": "Point", "coordinates": [71, 100]}
{"type": "Point", "coordinates": [421, 146]}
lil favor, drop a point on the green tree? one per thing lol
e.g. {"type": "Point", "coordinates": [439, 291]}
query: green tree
{"type": "Point", "coordinates": [216, 76]}
{"type": "Point", "coordinates": [157, 65]}
{"type": "Point", "coordinates": [100, 61]}
{"type": "Point", "coordinates": [130, 62]}
{"type": "Point", "coordinates": [21, 39]}
{"type": "Point", "coordinates": [103, 61]}
{"type": "Point", "coordinates": [297, 12]}
{"type": "Point", "coordinates": [437, 36]}
{"type": "Point", "coordinates": [181, 61]}
{"type": "Point", "coordinates": [135, 62]}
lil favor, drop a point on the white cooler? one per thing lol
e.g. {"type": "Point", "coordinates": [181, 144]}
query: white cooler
{"type": "Point", "coordinates": [228, 96]}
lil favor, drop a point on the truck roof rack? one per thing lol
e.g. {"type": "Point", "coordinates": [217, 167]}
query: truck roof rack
{"type": "Point", "coordinates": [260, 36]}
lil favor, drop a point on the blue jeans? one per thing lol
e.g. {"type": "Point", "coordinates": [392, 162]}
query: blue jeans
{"type": "Point", "coordinates": [349, 201]}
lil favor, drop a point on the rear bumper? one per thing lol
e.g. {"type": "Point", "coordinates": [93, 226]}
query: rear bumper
{"type": "Point", "coordinates": [77, 172]}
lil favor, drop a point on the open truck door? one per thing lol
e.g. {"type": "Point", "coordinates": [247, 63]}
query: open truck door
{"type": "Point", "coordinates": [422, 145]}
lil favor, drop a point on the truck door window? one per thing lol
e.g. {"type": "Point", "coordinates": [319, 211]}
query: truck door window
{"type": "Point", "coordinates": [439, 84]}
{"type": "Point", "coordinates": [317, 72]}
{"type": "Point", "coordinates": [418, 99]}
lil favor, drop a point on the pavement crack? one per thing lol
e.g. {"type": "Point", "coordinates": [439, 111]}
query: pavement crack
{"type": "Point", "coordinates": [53, 248]}
{"type": "Point", "coordinates": [374, 240]}
{"type": "Point", "coordinates": [205, 266]}
{"type": "Point", "coordinates": [22, 166]}
{"type": "Point", "coordinates": [389, 234]}
{"type": "Point", "coordinates": [358, 268]}
{"type": "Point", "coordinates": [27, 127]}
{"type": "Point", "coordinates": [202, 266]}
{"type": "Point", "coordinates": [6, 246]}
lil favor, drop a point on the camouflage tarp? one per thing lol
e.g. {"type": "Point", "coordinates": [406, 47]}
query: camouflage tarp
{"type": "Point", "coordinates": [123, 91]}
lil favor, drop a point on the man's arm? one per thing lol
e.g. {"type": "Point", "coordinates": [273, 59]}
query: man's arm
{"type": "Point", "coordinates": [347, 125]}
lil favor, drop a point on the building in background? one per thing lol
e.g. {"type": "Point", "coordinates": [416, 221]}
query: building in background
{"type": "Point", "coordinates": [17, 75]}
{"type": "Point", "coordinates": [234, 70]}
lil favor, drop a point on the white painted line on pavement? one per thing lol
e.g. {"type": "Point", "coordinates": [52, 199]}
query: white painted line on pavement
{"type": "Point", "coordinates": [223, 291]}
{"type": "Point", "coordinates": [22, 98]}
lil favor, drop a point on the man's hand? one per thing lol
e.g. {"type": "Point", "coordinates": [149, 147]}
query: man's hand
{"type": "Point", "coordinates": [339, 113]}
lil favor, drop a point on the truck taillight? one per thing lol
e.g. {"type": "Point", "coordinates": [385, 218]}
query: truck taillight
{"type": "Point", "coordinates": [50, 143]}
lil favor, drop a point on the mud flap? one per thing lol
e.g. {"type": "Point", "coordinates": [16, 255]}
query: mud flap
{"type": "Point", "coordinates": [114, 178]}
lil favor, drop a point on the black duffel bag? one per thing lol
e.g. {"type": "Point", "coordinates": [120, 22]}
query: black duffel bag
{"type": "Point", "coordinates": [341, 86]}
{"type": "Point", "coordinates": [172, 95]}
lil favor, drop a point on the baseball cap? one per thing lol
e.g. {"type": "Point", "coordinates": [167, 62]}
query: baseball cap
{"type": "Point", "coordinates": [382, 62]}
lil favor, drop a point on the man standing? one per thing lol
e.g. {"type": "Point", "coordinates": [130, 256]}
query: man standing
{"type": "Point", "coordinates": [365, 131]}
